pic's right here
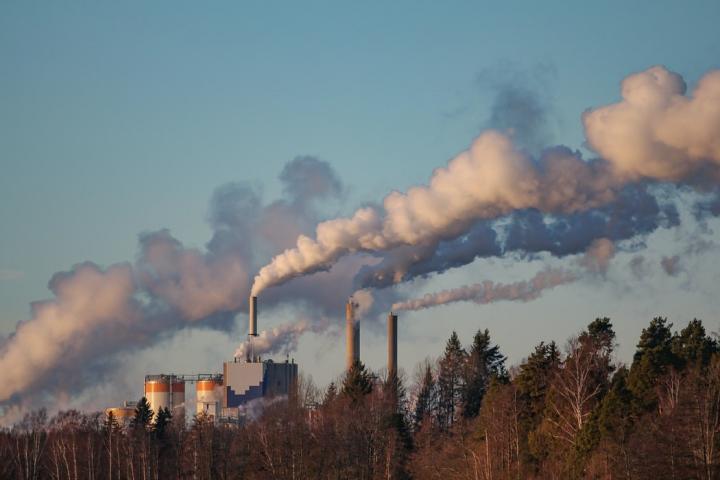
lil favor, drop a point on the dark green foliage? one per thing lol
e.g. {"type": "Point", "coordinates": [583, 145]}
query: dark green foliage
{"type": "Point", "coordinates": [426, 400]}
{"type": "Point", "coordinates": [616, 413]}
{"type": "Point", "coordinates": [162, 420]}
{"type": "Point", "coordinates": [450, 381]}
{"type": "Point", "coordinates": [143, 414]}
{"type": "Point", "coordinates": [484, 363]}
{"type": "Point", "coordinates": [532, 383]}
{"type": "Point", "coordinates": [358, 382]}
{"type": "Point", "coordinates": [692, 347]}
{"type": "Point", "coordinates": [654, 357]}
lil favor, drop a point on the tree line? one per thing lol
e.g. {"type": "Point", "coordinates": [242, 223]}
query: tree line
{"type": "Point", "coordinates": [570, 412]}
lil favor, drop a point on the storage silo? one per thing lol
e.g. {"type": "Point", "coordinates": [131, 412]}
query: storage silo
{"type": "Point", "coordinates": [177, 397]}
{"type": "Point", "coordinates": [165, 391]}
{"type": "Point", "coordinates": [123, 415]}
{"type": "Point", "coordinates": [157, 391]}
{"type": "Point", "coordinates": [209, 396]}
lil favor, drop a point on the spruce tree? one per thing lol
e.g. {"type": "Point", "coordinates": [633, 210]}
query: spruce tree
{"type": "Point", "coordinates": [143, 414]}
{"type": "Point", "coordinates": [653, 358]}
{"type": "Point", "coordinates": [450, 381]}
{"type": "Point", "coordinates": [426, 403]}
{"type": "Point", "coordinates": [358, 382]}
{"type": "Point", "coordinates": [692, 347]}
{"type": "Point", "coordinates": [162, 420]}
{"type": "Point", "coordinates": [484, 363]}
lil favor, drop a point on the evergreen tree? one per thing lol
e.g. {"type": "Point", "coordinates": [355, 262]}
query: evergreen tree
{"type": "Point", "coordinates": [358, 382]}
{"type": "Point", "coordinates": [616, 416]}
{"type": "Point", "coordinates": [426, 402]}
{"type": "Point", "coordinates": [533, 383]}
{"type": "Point", "coordinates": [653, 358]}
{"type": "Point", "coordinates": [599, 339]}
{"type": "Point", "coordinates": [692, 347]}
{"type": "Point", "coordinates": [601, 334]}
{"type": "Point", "coordinates": [484, 363]}
{"type": "Point", "coordinates": [450, 381]}
{"type": "Point", "coordinates": [162, 420]}
{"type": "Point", "coordinates": [143, 414]}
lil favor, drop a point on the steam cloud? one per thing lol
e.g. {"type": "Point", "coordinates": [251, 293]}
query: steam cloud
{"type": "Point", "coordinates": [654, 134]}
{"type": "Point", "coordinates": [489, 292]}
{"type": "Point", "coordinates": [283, 338]}
{"type": "Point", "coordinates": [72, 340]}
{"type": "Point", "coordinates": [493, 199]}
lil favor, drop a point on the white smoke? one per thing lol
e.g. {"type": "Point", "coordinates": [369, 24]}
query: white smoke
{"type": "Point", "coordinates": [489, 292]}
{"type": "Point", "coordinates": [91, 305]}
{"type": "Point", "coordinates": [283, 338]}
{"type": "Point", "coordinates": [76, 339]}
{"type": "Point", "coordinates": [655, 133]}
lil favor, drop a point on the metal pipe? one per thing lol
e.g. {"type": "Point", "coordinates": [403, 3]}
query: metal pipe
{"type": "Point", "coordinates": [392, 345]}
{"type": "Point", "coordinates": [252, 329]}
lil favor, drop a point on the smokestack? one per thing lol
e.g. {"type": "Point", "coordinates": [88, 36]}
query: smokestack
{"type": "Point", "coordinates": [392, 345]}
{"type": "Point", "coordinates": [252, 329]}
{"type": "Point", "coordinates": [352, 335]}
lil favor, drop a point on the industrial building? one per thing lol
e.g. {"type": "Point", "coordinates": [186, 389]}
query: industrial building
{"type": "Point", "coordinates": [227, 395]}
{"type": "Point", "coordinates": [246, 381]}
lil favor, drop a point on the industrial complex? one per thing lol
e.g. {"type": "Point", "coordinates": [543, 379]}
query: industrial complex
{"type": "Point", "coordinates": [227, 396]}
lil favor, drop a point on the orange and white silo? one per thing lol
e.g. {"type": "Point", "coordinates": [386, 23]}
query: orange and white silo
{"type": "Point", "coordinates": [157, 392]}
{"type": "Point", "coordinates": [165, 391]}
{"type": "Point", "coordinates": [209, 396]}
{"type": "Point", "coordinates": [177, 397]}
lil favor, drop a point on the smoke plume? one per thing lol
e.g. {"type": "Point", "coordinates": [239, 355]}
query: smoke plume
{"type": "Point", "coordinates": [493, 199]}
{"type": "Point", "coordinates": [654, 134]}
{"type": "Point", "coordinates": [73, 340]}
{"type": "Point", "coordinates": [283, 338]}
{"type": "Point", "coordinates": [489, 292]}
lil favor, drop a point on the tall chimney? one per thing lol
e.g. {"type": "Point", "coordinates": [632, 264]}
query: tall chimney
{"type": "Point", "coordinates": [352, 335]}
{"type": "Point", "coordinates": [392, 345]}
{"type": "Point", "coordinates": [252, 329]}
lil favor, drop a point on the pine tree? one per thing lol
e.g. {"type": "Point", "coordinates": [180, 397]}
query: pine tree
{"type": "Point", "coordinates": [653, 358]}
{"type": "Point", "coordinates": [358, 382]}
{"type": "Point", "coordinates": [162, 420]}
{"type": "Point", "coordinates": [533, 383]}
{"type": "Point", "coordinates": [692, 347]}
{"type": "Point", "coordinates": [426, 402]}
{"type": "Point", "coordinates": [484, 363]}
{"type": "Point", "coordinates": [450, 381]}
{"type": "Point", "coordinates": [143, 414]}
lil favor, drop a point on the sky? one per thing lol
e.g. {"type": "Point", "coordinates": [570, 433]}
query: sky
{"type": "Point", "coordinates": [119, 119]}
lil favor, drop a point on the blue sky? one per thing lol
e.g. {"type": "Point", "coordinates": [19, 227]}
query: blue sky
{"type": "Point", "coordinates": [119, 118]}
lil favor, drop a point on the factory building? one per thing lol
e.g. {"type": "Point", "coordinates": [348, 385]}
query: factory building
{"type": "Point", "coordinates": [242, 381]}
{"type": "Point", "coordinates": [245, 381]}
{"type": "Point", "coordinates": [219, 395]}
